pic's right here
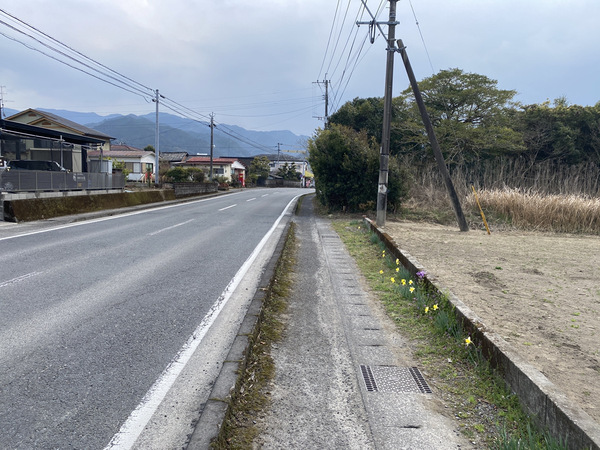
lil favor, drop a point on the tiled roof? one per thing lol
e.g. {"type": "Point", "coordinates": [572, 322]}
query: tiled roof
{"type": "Point", "coordinates": [125, 148]}
{"type": "Point", "coordinates": [173, 156]}
{"type": "Point", "coordinates": [121, 151]}
{"type": "Point", "coordinates": [201, 160]}
{"type": "Point", "coordinates": [86, 131]}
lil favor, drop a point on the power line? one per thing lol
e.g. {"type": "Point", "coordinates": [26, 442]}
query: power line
{"type": "Point", "coordinates": [422, 38]}
{"type": "Point", "coordinates": [122, 78]}
{"type": "Point", "coordinates": [329, 39]}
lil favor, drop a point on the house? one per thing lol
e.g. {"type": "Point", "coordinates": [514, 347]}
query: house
{"type": "Point", "coordinates": [137, 161]}
{"type": "Point", "coordinates": [230, 168]}
{"type": "Point", "coordinates": [21, 141]}
{"type": "Point", "coordinates": [73, 155]}
{"type": "Point", "coordinates": [173, 157]}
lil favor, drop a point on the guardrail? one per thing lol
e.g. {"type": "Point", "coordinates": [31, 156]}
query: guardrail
{"type": "Point", "coordinates": [33, 180]}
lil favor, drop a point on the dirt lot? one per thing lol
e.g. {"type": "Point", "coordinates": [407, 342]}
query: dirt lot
{"type": "Point", "coordinates": [539, 291]}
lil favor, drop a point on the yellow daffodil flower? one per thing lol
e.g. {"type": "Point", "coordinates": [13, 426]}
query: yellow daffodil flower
{"type": "Point", "coordinates": [468, 341]}
{"type": "Point", "coordinates": [410, 281]}
{"type": "Point", "coordinates": [426, 309]}
{"type": "Point", "coordinates": [393, 280]}
{"type": "Point", "coordinates": [412, 289]}
{"type": "Point", "coordinates": [403, 282]}
{"type": "Point", "coordinates": [435, 307]}
{"type": "Point", "coordinates": [381, 272]}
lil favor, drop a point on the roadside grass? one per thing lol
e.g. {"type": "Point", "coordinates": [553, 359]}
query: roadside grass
{"type": "Point", "coordinates": [251, 398]}
{"type": "Point", "coordinates": [488, 414]}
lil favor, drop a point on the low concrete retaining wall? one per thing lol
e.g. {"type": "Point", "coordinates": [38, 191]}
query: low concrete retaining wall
{"type": "Point", "coordinates": [189, 189]}
{"type": "Point", "coordinates": [28, 207]}
{"type": "Point", "coordinates": [548, 406]}
{"type": "Point", "coordinates": [283, 183]}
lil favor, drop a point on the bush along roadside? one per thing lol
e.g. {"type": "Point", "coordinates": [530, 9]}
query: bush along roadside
{"type": "Point", "coordinates": [251, 397]}
{"type": "Point", "coordinates": [488, 414]}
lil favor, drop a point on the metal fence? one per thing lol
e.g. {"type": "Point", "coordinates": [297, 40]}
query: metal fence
{"type": "Point", "coordinates": [33, 180]}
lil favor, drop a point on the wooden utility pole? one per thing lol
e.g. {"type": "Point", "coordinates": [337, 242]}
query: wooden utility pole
{"type": "Point", "coordinates": [212, 145]}
{"type": "Point", "coordinates": [326, 82]}
{"type": "Point", "coordinates": [460, 217]}
{"type": "Point", "coordinates": [156, 141]}
{"type": "Point", "coordinates": [384, 154]}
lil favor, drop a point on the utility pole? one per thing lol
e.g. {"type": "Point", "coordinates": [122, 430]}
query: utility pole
{"type": "Point", "coordinates": [156, 141]}
{"type": "Point", "coordinates": [384, 153]}
{"type": "Point", "coordinates": [439, 157]}
{"type": "Point", "coordinates": [278, 153]}
{"type": "Point", "coordinates": [326, 83]}
{"type": "Point", "coordinates": [212, 145]}
{"type": "Point", "coordinates": [2, 102]}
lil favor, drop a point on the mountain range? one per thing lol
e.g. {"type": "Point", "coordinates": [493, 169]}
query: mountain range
{"type": "Point", "coordinates": [178, 134]}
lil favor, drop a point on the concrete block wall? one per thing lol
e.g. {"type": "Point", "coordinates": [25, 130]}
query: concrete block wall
{"type": "Point", "coordinates": [189, 189]}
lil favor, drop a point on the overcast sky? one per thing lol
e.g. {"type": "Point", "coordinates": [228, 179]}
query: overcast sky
{"type": "Point", "coordinates": [254, 63]}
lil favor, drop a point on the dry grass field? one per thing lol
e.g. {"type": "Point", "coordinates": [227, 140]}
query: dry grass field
{"type": "Point", "coordinates": [539, 290]}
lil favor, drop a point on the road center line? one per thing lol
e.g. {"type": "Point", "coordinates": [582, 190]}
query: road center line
{"type": "Point", "coordinates": [251, 199]}
{"type": "Point", "coordinates": [139, 418]}
{"type": "Point", "coordinates": [227, 207]}
{"type": "Point", "coordinates": [170, 228]}
{"type": "Point", "coordinates": [18, 279]}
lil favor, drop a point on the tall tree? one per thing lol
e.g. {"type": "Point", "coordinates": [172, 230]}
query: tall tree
{"type": "Point", "coordinates": [259, 169]}
{"type": "Point", "coordinates": [563, 133]}
{"type": "Point", "coordinates": [472, 117]}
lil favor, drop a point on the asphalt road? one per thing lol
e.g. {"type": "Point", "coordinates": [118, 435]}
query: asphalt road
{"type": "Point", "coordinates": [101, 320]}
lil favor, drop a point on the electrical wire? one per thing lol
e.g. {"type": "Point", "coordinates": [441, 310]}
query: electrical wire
{"type": "Point", "coordinates": [78, 61]}
{"type": "Point", "coordinates": [128, 81]}
{"type": "Point", "coordinates": [74, 67]}
{"type": "Point", "coordinates": [329, 39]}
{"type": "Point", "coordinates": [422, 38]}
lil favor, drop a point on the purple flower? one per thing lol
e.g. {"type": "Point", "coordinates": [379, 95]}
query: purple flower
{"type": "Point", "coordinates": [421, 274]}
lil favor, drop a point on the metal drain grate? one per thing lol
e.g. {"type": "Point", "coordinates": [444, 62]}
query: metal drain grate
{"type": "Point", "coordinates": [394, 379]}
{"type": "Point", "coordinates": [369, 379]}
{"type": "Point", "coordinates": [418, 377]}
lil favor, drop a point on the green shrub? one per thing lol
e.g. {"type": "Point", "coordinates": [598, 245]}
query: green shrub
{"type": "Point", "coordinates": [346, 167]}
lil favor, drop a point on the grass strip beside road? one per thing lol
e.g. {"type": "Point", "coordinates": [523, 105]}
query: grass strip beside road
{"type": "Point", "coordinates": [251, 399]}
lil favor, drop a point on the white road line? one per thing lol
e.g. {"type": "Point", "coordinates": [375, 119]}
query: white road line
{"type": "Point", "coordinates": [227, 207]}
{"type": "Point", "coordinates": [18, 279]}
{"type": "Point", "coordinates": [251, 199]}
{"type": "Point", "coordinates": [139, 418]}
{"type": "Point", "coordinates": [170, 228]}
{"type": "Point", "coordinates": [264, 195]}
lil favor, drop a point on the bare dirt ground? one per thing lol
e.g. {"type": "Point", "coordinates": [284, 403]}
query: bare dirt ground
{"type": "Point", "coordinates": [539, 291]}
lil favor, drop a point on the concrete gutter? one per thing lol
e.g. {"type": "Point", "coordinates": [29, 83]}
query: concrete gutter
{"type": "Point", "coordinates": [548, 406]}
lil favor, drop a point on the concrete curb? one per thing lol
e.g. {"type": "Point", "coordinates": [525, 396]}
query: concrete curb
{"type": "Point", "coordinates": [548, 406]}
{"type": "Point", "coordinates": [228, 382]}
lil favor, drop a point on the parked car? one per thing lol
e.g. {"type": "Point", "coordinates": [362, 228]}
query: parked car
{"type": "Point", "coordinates": [24, 164]}
{"type": "Point", "coordinates": [11, 180]}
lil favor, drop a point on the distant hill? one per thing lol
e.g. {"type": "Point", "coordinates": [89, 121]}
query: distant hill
{"type": "Point", "coordinates": [178, 134]}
